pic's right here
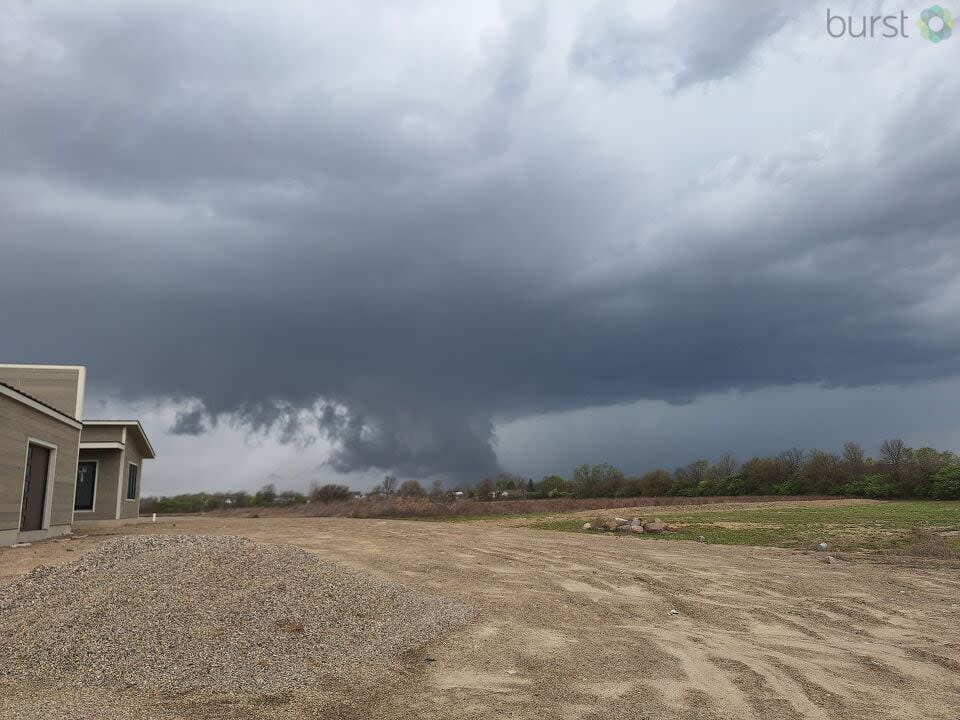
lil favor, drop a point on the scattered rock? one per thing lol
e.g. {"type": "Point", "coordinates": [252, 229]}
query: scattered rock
{"type": "Point", "coordinates": [637, 522]}
{"type": "Point", "coordinates": [636, 528]}
{"type": "Point", "coordinates": [656, 526]}
{"type": "Point", "coordinates": [822, 546]}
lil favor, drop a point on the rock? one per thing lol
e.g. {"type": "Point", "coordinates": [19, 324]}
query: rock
{"type": "Point", "coordinates": [674, 612]}
{"type": "Point", "coordinates": [636, 528]}
{"type": "Point", "coordinates": [21, 545]}
{"type": "Point", "coordinates": [627, 527]}
{"type": "Point", "coordinates": [587, 526]}
{"type": "Point", "coordinates": [654, 527]}
{"type": "Point", "coordinates": [822, 546]}
{"type": "Point", "coordinates": [830, 559]}
{"type": "Point", "coordinates": [611, 525]}
{"type": "Point", "coordinates": [621, 521]}
{"type": "Point", "coordinates": [637, 522]}
{"type": "Point", "coordinates": [701, 538]}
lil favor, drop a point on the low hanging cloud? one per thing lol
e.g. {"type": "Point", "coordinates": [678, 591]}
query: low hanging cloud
{"type": "Point", "coordinates": [691, 44]}
{"type": "Point", "coordinates": [392, 229]}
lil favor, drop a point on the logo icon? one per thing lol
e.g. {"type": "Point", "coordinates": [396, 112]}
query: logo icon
{"type": "Point", "coordinates": [935, 24]}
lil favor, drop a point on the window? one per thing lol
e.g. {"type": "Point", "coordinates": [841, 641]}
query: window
{"type": "Point", "coordinates": [132, 482]}
{"type": "Point", "coordinates": [86, 485]}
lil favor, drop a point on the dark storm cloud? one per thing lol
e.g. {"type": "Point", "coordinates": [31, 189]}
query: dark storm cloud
{"type": "Point", "coordinates": [190, 422]}
{"type": "Point", "coordinates": [396, 247]}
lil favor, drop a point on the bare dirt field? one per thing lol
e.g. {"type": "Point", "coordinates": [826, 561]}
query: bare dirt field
{"type": "Point", "coordinates": [592, 626]}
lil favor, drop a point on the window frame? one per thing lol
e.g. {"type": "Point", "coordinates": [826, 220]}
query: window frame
{"type": "Point", "coordinates": [136, 480]}
{"type": "Point", "coordinates": [96, 479]}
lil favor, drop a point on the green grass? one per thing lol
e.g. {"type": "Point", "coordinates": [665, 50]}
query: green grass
{"type": "Point", "coordinates": [883, 526]}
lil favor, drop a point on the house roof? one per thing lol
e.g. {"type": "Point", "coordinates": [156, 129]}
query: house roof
{"type": "Point", "coordinates": [46, 409]}
{"type": "Point", "coordinates": [135, 424]}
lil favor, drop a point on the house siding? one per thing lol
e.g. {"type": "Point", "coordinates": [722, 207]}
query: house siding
{"type": "Point", "coordinates": [57, 387]}
{"type": "Point", "coordinates": [132, 454]}
{"type": "Point", "coordinates": [18, 423]}
{"type": "Point", "coordinates": [105, 490]}
{"type": "Point", "coordinates": [102, 433]}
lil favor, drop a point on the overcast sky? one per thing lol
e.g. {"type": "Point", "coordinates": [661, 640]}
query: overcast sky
{"type": "Point", "coordinates": [309, 242]}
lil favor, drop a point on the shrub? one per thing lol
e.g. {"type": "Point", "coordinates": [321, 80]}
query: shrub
{"type": "Point", "coordinates": [944, 485]}
{"type": "Point", "coordinates": [553, 484]}
{"type": "Point", "coordinates": [789, 487]}
{"type": "Point", "coordinates": [411, 488]}
{"type": "Point", "coordinates": [871, 486]}
{"type": "Point", "coordinates": [329, 493]}
{"type": "Point", "coordinates": [655, 483]}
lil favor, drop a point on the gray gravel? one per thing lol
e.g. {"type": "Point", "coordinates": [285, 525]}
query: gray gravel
{"type": "Point", "coordinates": [194, 612]}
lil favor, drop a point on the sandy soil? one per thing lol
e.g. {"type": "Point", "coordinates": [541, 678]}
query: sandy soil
{"type": "Point", "coordinates": [580, 626]}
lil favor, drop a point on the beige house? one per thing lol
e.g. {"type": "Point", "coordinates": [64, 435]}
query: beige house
{"type": "Point", "coordinates": [109, 470]}
{"type": "Point", "coordinates": [56, 469]}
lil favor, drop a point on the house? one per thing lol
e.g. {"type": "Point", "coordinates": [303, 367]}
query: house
{"type": "Point", "coordinates": [56, 469]}
{"type": "Point", "coordinates": [109, 470]}
{"type": "Point", "coordinates": [38, 467]}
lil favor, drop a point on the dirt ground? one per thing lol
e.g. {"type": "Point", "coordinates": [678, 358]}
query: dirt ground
{"type": "Point", "coordinates": [583, 626]}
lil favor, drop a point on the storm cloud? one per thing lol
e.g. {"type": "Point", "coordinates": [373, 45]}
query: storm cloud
{"type": "Point", "coordinates": [393, 227]}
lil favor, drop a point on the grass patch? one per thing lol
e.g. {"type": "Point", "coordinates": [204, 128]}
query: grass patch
{"type": "Point", "coordinates": [908, 527]}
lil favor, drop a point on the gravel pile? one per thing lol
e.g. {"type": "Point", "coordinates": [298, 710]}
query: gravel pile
{"type": "Point", "coordinates": [195, 612]}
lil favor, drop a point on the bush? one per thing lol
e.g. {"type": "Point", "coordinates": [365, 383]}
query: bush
{"type": "Point", "coordinates": [872, 486]}
{"type": "Point", "coordinates": [411, 488]}
{"type": "Point", "coordinates": [944, 485]}
{"type": "Point", "coordinates": [329, 493]}
{"type": "Point", "coordinates": [655, 483]}
{"type": "Point", "coordinates": [789, 487]}
{"type": "Point", "coordinates": [551, 485]}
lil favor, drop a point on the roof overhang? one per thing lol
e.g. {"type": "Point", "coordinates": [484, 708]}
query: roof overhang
{"type": "Point", "coordinates": [129, 425]}
{"type": "Point", "coordinates": [14, 394]}
{"type": "Point", "coordinates": [102, 446]}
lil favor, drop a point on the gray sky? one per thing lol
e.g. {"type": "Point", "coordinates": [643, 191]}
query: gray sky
{"type": "Point", "coordinates": [309, 242]}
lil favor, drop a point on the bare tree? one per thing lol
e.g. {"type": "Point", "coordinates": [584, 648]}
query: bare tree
{"type": "Point", "coordinates": [895, 454]}
{"type": "Point", "coordinates": [389, 484]}
{"type": "Point", "coordinates": [791, 461]}
{"type": "Point", "coordinates": [725, 467]}
{"type": "Point", "coordinates": [853, 460]}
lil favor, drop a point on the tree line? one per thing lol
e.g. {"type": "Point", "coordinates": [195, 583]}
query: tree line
{"type": "Point", "coordinates": [897, 472]}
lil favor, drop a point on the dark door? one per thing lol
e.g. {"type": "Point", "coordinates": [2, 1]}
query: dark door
{"type": "Point", "coordinates": [34, 488]}
{"type": "Point", "coordinates": [86, 484]}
